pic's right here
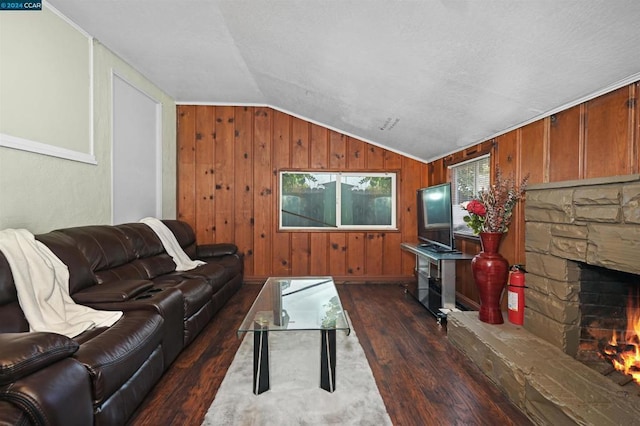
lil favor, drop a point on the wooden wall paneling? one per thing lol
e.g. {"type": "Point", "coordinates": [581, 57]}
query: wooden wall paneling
{"type": "Point", "coordinates": [466, 289]}
{"type": "Point", "coordinates": [392, 160]}
{"type": "Point", "coordinates": [636, 128]}
{"type": "Point", "coordinates": [533, 156]}
{"type": "Point", "coordinates": [374, 158]}
{"type": "Point", "coordinates": [300, 152]}
{"type": "Point", "coordinates": [565, 145]}
{"type": "Point", "coordinates": [356, 155]}
{"type": "Point", "coordinates": [186, 159]}
{"type": "Point", "coordinates": [243, 184]}
{"type": "Point", "coordinates": [337, 150]}
{"type": "Point", "coordinates": [282, 159]}
{"type": "Point", "coordinates": [374, 250]}
{"type": "Point", "coordinates": [437, 172]}
{"type": "Point", "coordinates": [251, 145]}
{"type": "Point", "coordinates": [507, 159]}
{"type": "Point", "coordinates": [319, 147]}
{"type": "Point", "coordinates": [338, 254]}
{"type": "Point", "coordinates": [319, 244]}
{"type": "Point", "coordinates": [300, 253]}
{"type": "Point", "coordinates": [319, 241]}
{"type": "Point", "coordinates": [355, 253]}
{"type": "Point", "coordinates": [607, 136]}
{"type": "Point", "coordinates": [263, 193]}
{"type": "Point", "coordinates": [532, 160]}
{"type": "Point", "coordinates": [410, 182]}
{"type": "Point", "coordinates": [204, 171]}
{"type": "Point", "coordinates": [224, 218]}
{"type": "Point", "coordinates": [392, 256]}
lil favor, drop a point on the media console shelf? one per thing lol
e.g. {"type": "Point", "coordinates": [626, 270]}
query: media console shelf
{"type": "Point", "coordinates": [436, 278]}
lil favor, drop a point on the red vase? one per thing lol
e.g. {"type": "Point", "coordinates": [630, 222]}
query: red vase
{"type": "Point", "coordinates": [490, 272]}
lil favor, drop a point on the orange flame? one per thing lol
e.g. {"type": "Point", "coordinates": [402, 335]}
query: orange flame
{"type": "Point", "coordinates": [625, 357]}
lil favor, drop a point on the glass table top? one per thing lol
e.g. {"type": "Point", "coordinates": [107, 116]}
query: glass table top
{"type": "Point", "coordinates": [296, 303]}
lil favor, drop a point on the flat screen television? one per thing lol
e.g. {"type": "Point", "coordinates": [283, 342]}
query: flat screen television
{"type": "Point", "coordinates": [435, 222]}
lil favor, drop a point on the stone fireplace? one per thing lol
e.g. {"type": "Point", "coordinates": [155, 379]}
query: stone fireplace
{"type": "Point", "coordinates": [581, 237]}
{"type": "Point", "coordinates": [570, 225]}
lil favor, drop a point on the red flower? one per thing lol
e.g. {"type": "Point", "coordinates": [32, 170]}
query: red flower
{"type": "Point", "coordinates": [476, 207]}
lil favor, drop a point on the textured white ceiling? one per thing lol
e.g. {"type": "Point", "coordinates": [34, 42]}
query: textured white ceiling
{"type": "Point", "coordinates": [422, 78]}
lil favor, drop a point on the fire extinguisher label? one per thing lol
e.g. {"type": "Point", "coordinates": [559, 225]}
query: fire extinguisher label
{"type": "Point", "coordinates": [513, 301]}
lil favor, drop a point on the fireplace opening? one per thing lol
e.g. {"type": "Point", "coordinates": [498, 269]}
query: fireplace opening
{"type": "Point", "coordinates": [610, 323]}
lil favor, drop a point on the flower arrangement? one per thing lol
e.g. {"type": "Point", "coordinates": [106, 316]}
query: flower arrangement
{"type": "Point", "coordinates": [492, 210]}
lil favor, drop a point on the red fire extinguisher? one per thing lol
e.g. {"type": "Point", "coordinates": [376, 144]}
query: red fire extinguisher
{"type": "Point", "coordinates": [515, 291]}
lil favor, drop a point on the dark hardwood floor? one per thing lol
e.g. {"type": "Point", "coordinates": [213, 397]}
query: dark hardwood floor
{"type": "Point", "coordinates": [422, 378]}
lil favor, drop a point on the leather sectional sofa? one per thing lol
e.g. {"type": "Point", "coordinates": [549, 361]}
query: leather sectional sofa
{"type": "Point", "coordinates": [102, 375]}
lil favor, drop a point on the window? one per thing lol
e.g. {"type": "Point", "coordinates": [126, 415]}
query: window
{"type": "Point", "coordinates": [321, 200]}
{"type": "Point", "coordinates": [467, 179]}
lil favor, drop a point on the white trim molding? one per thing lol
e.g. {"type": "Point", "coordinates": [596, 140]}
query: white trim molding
{"type": "Point", "coordinates": [38, 147]}
{"type": "Point", "coordinates": [22, 144]}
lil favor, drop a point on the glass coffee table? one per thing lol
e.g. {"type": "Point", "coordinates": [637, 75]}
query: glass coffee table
{"type": "Point", "coordinates": [296, 303]}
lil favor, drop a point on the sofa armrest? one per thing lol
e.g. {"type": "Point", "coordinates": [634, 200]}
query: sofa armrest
{"type": "Point", "coordinates": [215, 250]}
{"type": "Point", "coordinates": [113, 291]}
{"type": "Point", "coordinates": [12, 415]}
{"type": "Point", "coordinates": [57, 395]}
{"type": "Point", "coordinates": [24, 353]}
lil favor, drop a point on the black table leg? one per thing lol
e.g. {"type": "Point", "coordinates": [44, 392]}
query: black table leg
{"type": "Point", "coordinates": [260, 359]}
{"type": "Point", "coordinates": [328, 360]}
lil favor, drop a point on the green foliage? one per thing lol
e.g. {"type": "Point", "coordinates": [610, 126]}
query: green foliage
{"type": "Point", "coordinates": [379, 185]}
{"type": "Point", "coordinates": [293, 182]}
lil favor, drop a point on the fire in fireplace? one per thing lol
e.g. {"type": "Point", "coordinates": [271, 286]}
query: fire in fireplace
{"type": "Point", "coordinates": [622, 350]}
{"type": "Point", "coordinates": [610, 320]}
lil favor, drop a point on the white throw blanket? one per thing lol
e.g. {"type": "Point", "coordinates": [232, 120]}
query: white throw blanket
{"type": "Point", "coordinates": [171, 245]}
{"type": "Point", "coordinates": [42, 283]}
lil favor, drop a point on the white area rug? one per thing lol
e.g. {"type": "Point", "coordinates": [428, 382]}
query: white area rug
{"type": "Point", "coordinates": [295, 397]}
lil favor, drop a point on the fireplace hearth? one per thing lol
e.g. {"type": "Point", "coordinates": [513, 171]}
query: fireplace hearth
{"type": "Point", "coordinates": [582, 240]}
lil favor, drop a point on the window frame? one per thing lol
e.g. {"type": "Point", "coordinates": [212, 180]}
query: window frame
{"type": "Point", "coordinates": [466, 231]}
{"type": "Point", "coordinates": [393, 226]}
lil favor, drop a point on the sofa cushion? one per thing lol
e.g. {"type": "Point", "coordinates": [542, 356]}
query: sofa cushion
{"type": "Point", "coordinates": [25, 353]}
{"type": "Point", "coordinates": [185, 236]}
{"type": "Point", "coordinates": [104, 247]}
{"type": "Point", "coordinates": [64, 247]}
{"type": "Point", "coordinates": [215, 250]}
{"type": "Point", "coordinates": [195, 291]}
{"type": "Point", "coordinates": [117, 291]}
{"type": "Point", "coordinates": [218, 271]}
{"type": "Point", "coordinates": [216, 275]}
{"type": "Point", "coordinates": [152, 257]}
{"type": "Point", "coordinates": [113, 355]}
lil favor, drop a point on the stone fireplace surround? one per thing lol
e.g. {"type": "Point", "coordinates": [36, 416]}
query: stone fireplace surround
{"type": "Point", "coordinates": [594, 221]}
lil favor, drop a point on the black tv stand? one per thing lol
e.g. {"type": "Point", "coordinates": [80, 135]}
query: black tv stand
{"type": "Point", "coordinates": [436, 248]}
{"type": "Point", "coordinates": [435, 286]}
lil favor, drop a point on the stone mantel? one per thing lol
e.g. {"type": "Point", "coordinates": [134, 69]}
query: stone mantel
{"type": "Point", "coordinates": [584, 182]}
{"type": "Point", "coordinates": [592, 221]}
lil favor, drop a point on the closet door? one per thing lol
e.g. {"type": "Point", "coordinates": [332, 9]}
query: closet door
{"type": "Point", "coordinates": [136, 158]}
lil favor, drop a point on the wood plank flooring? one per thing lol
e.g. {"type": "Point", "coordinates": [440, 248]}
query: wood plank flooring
{"type": "Point", "coordinates": [422, 378]}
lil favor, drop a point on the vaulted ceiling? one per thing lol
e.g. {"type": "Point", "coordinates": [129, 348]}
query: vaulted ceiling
{"type": "Point", "coordinates": [422, 78]}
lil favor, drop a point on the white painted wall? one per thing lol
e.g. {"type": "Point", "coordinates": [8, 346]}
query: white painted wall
{"type": "Point", "coordinates": [137, 149]}
{"type": "Point", "coordinates": [43, 192]}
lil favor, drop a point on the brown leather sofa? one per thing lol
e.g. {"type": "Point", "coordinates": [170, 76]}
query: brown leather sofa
{"type": "Point", "coordinates": [102, 375]}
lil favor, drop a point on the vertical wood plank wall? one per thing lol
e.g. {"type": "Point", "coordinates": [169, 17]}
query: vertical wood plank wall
{"type": "Point", "coordinates": [228, 163]}
{"type": "Point", "coordinates": [598, 138]}
{"type": "Point", "coordinates": [228, 159]}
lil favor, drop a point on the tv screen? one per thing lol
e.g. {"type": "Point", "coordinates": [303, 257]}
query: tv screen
{"type": "Point", "coordinates": [435, 229]}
